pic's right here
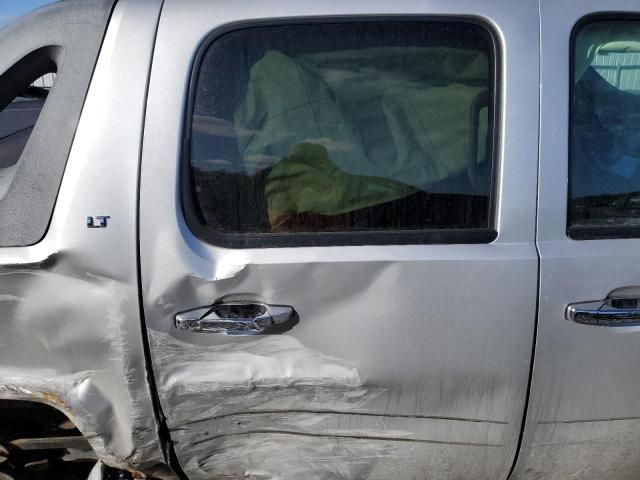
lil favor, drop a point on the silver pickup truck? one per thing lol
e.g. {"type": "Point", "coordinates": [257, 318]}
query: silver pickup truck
{"type": "Point", "coordinates": [327, 240]}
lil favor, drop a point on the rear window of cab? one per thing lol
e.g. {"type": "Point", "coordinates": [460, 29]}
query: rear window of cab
{"type": "Point", "coordinates": [604, 163]}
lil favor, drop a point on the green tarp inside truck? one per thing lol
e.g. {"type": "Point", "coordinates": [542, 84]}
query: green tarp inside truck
{"type": "Point", "coordinates": [350, 129]}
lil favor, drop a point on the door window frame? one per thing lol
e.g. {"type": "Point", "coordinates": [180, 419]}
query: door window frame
{"type": "Point", "coordinates": [189, 205]}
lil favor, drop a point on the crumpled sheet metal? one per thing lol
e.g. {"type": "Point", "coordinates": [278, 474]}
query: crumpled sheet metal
{"type": "Point", "coordinates": [244, 409]}
{"type": "Point", "coordinates": [76, 395]}
{"type": "Point", "coordinates": [53, 351]}
{"type": "Point", "coordinates": [335, 397]}
{"type": "Point", "coordinates": [70, 326]}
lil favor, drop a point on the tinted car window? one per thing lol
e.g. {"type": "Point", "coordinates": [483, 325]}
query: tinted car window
{"type": "Point", "coordinates": [605, 139]}
{"type": "Point", "coordinates": [16, 123]}
{"type": "Point", "coordinates": [346, 127]}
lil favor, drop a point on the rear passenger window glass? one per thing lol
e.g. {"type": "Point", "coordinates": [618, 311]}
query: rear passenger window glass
{"type": "Point", "coordinates": [16, 124]}
{"type": "Point", "coordinates": [345, 128]}
{"type": "Point", "coordinates": [604, 187]}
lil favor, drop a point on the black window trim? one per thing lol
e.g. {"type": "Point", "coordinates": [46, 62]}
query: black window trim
{"type": "Point", "coordinates": [595, 232]}
{"type": "Point", "coordinates": [189, 206]}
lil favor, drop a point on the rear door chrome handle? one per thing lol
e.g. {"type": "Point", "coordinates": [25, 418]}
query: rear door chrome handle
{"type": "Point", "coordinates": [238, 318]}
{"type": "Point", "coordinates": [610, 312]}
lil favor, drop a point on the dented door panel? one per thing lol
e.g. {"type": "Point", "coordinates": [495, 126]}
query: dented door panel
{"type": "Point", "coordinates": [362, 390]}
{"type": "Point", "coordinates": [407, 361]}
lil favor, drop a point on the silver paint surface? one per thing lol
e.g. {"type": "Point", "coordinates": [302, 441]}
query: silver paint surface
{"type": "Point", "coordinates": [408, 362]}
{"type": "Point", "coordinates": [584, 414]}
{"type": "Point", "coordinates": [70, 331]}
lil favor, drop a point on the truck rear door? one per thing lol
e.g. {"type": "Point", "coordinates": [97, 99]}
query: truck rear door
{"type": "Point", "coordinates": [584, 414]}
{"type": "Point", "coordinates": [337, 220]}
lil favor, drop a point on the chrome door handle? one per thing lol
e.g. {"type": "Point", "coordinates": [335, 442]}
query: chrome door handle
{"type": "Point", "coordinates": [238, 318]}
{"type": "Point", "coordinates": [610, 312]}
